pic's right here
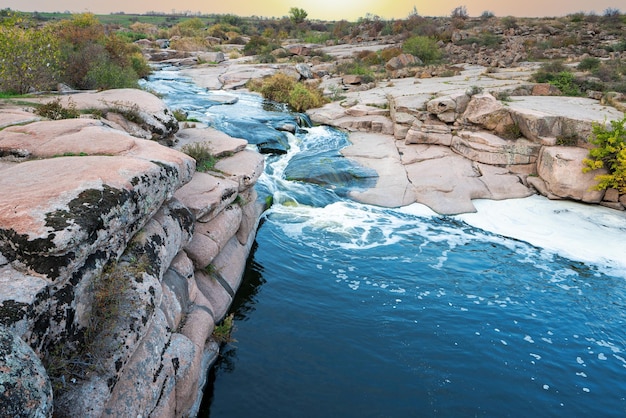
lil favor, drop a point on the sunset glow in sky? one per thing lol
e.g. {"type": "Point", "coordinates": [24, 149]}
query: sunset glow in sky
{"type": "Point", "coordinates": [323, 9]}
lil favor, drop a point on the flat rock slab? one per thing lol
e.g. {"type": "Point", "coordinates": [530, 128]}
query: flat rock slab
{"type": "Point", "coordinates": [88, 137]}
{"type": "Point", "coordinates": [244, 168]}
{"type": "Point", "coordinates": [206, 195]}
{"type": "Point", "coordinates": [219, 143]}
{"type": "Point", "coordinates": [544, 119]}
{"type": "Point", "coordinates": [350, 50]}
{"type": "Point", "coordinates": [152, 111]}
{"type": "Point", "coordinates": [207, 76]}
{"type": "Point", "coordinates": [579, 108]}
{"type": "Point", "coordinates": [449, 184]}
{"type": "Point", "coordinates": [10, 116]}
{"type": "Point", "coordinates": [237, 76]}
{"type": "Point", "coordinates": [69, 136]}
{"type": "Point", "coordinates": [378, 152]}
{"type": "Point", "coordinates": [54, 213]}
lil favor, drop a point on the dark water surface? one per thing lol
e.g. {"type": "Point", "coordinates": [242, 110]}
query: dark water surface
{"type": "Point", "coordinates": [349, 310]}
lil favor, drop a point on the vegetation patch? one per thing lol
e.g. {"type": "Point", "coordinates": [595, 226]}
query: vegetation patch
{"type": "Point", "coordinates": [357, 67]}
{"type": "Point", "coordinates": [201, 152]}
{"type": "Point", "coordinates": [609, 153]}
{"type": "Point", "coordinates": [423, 47]}
{"type": "Point", "coordinates": [55, 110]}
{"type": "Point", "coordinates": [512, 131]}
{"type": "Point", "coordinates": [284, 89]}
{"type": "Point", "coordinates": [222, 333]}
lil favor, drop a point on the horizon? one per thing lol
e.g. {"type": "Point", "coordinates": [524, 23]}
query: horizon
{"type": "Point", "coordinates": [327, 10]}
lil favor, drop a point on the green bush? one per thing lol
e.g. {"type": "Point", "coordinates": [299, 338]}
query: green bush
{"type": "Point", "coordinates": [369, 57]}
{"type": "Point", "coordinates": [256, 45]}
{"type": "Point", "coordinates": [29, 57]}
{"type": "Point", "coordinates": [558, 75]}
{"type": "Point", "coordinates": [105, 75]}
{"type": "Point", "coordinates": [609, 153]}
{"type": "Point", "coordinates": [297, 15]}
{"type": "Point", "coordinates": [302, 98]}
{"type": "Point", "coordinates": [276, 87]}
{"type": "Point", "coordinates": [92, 59]}
{"type": "Point", "coordinates": [486, 39]}
{"type": "Point", "coordinates": [423, 47]}
{"type": "Point", "coordinates": [588, 64]}
{"type": "Point", "coordinates": [566, 83]}
{"type": "Point", "coordinates": [357, 67]}
{"type": "Point", "coordinates": [389, 53]}
{"type": "Point", "coordinates": [284, 89]}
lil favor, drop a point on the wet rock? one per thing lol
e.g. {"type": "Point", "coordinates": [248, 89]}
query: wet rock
{"type": "Point", "coordinates": [329, 169]}
{"type": "Point", "coordinates": [378, 152]}
{"type": "Point", "coordinates": [268, 139]}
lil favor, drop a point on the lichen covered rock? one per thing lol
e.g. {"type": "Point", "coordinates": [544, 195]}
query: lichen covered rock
{"type": "Point", "coordinates": [25, 390]}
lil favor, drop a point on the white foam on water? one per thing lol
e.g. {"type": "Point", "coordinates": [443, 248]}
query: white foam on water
{"type": "Point", "coordinates": [587, 233]}
{"type": "Point", "coordinates": [351, 225]}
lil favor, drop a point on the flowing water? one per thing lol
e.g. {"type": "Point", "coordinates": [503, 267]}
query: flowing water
{"type": "Point", "coordinates": [352, 310]}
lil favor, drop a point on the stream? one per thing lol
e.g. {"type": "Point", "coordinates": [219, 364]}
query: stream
{"type": "Point", "coordinates": [352, 310]}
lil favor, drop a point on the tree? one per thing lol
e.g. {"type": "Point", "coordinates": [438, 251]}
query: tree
{"type": "Point", "coordinates": [297, 15]}
{"type": "Point", "coordinates": [459, 12]}
{"type": "Point", "coordinates": [28, 57]}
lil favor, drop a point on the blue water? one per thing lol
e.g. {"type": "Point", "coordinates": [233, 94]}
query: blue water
{"type": "Point", "coordinates": [351, 310]}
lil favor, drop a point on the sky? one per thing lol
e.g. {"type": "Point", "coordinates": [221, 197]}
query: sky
{"type": "Point", "coordinates": [323, 9]}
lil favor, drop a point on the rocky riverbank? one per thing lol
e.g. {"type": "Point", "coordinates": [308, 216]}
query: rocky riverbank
{"type": "Point", "coordinates": [117, 258]}
{"type": "Point", "coordinates": [444, 141]}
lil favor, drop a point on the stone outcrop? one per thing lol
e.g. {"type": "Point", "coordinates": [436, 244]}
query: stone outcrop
{"type": "Point", "coordinates": [560, 175]}
{"type": "Point", "coordinates": [464, 144]}
{"type": "Point", "coordinates": [117, 258]}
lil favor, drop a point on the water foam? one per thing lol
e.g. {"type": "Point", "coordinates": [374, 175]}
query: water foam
{"type": "Point", "coordinates": [585, 233]}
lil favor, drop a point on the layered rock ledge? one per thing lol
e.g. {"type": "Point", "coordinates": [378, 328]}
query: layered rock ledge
{"type": "Point", "coordinates": [448, 140]}
{"type": "Point", "coordinates": [117, 258]}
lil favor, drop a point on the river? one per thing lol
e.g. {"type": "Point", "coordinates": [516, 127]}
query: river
{"type": "Point", "coordinates": [352, 310]}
